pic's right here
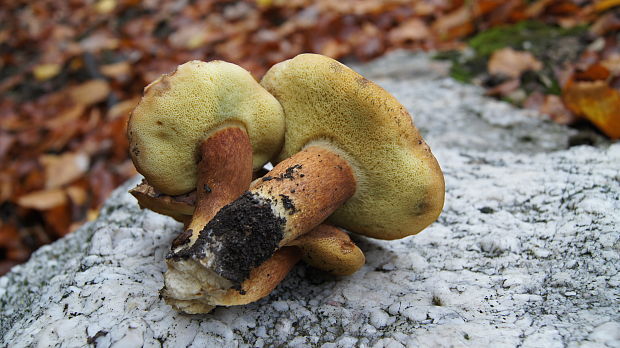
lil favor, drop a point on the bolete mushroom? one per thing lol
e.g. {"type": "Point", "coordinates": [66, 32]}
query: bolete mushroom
{"type": "Point", "coordinates": [220, 109]}
{"type": "Point", "coordinates": [204, 127]}
{"type": "Point", "coordinates": [351, 153]}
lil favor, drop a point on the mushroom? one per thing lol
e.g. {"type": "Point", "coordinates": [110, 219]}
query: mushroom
{"type": "Point", "coordinates": [330, 249]}
{"type": "Point", "coordinates": [326, 247]}
{"type": "Point", "coordinates": [220, 109]}
{"type": "Point", "coordinates": [351, 153]}
{"type": "Point", "coordinates": [204, 127]}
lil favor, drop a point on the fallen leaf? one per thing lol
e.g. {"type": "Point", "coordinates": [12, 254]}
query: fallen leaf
{"type": "Point", "coordinates": [555, 108]}
{"type": "Point", "coordinates": [105, 6]}
{"type": "Point", "coordinates": [603, 5]}
{"type": "Point", "coordinates": [43, 200]}
{"type": "Point", "coordinates": [512, 63]}
{"type": "Point", "coordinates": [412, 30]}
{"type": "Point", "coordinates": [504, 88]}
{"type": "Point", "coordinates": [6, 142]}
{"type": "Point", "coordinates": [91, 92]}
{"type": "Point", "coordinates": [59, 219]}
{"type": "Point", "coordinates": [119, 71]}
{"type": "Point", "coordinates": [612, 63]}
{"type": "Point", "coordinates": [123, 108]}
{"type": "Point", "coordinates": [592, 73]}
{"type": "Point", "coordinates": [78, 194]}
{"type": "Point", "coordinates": [43, 72]}
{"type": "Point", "coordinates": [66, 116]}
{"type": "Point", "coordinates": [596, 101]}
{"type": "Point", "coordinates": [608, 22]}
{"type": "Point", "coordinates": [455, 24]}
{"type": "Point", "coordinates": [63, 169]}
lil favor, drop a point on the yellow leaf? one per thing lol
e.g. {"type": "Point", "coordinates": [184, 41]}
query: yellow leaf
{"type": "Point", "coordinates": [105, 6]}
{"type": "Point", "coordinates": [605, 4]}
{"type": "Point", "coordinates": [43, 72]}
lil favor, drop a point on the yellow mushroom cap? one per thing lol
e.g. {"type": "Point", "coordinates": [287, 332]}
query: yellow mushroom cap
{"type": "Point", "coordinates": [181, 109]}
{"type": "Point", "coordinates": [400, 187]}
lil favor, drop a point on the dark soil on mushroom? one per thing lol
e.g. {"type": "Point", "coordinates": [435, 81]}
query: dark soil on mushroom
{"type": "Point", "coordinates": [241, 236]}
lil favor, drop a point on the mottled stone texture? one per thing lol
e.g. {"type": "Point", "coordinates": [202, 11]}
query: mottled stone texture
{"type": "Point", "coordinates": [526, 252]}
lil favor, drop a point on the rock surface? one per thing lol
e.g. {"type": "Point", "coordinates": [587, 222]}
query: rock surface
{"type": "Point", "coordinates": [526, 252]}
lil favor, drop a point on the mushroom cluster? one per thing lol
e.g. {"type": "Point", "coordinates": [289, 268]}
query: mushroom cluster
{"type": "Point", "coordinates": [346, 152]}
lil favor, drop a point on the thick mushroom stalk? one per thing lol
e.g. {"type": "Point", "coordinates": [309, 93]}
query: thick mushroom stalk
{"type": "Point", "coordinates": [295, 197]}
{"type": "Point", "coordinates": [192, 130]}
{"type": "Point", "coordinates": [326, 247]}
{"type": "Point", "coordinates": [224, 172]}
{"type": "Point", "coordinates": [330, 249]}
{"type": "Point", "coordinates": [351, 153]}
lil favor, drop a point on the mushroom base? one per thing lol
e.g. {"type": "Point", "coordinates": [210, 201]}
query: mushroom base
{"type": "Point", "coordinates": [194, 289]}
{"type": "Point", "coordinates": [242, 236]}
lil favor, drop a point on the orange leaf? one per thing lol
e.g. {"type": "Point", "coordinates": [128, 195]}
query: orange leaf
{"type": "Point", "coordinates": [598, 102]}
{"type": "Point", "coordinates": [592, 73]}
{"type": "Point", "coordinates": [59, 219]}
{"type": "Point", "coordinates": [603, 5]}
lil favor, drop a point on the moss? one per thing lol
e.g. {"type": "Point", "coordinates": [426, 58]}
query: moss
{"type": "Point", "coordinates": [550, 44]}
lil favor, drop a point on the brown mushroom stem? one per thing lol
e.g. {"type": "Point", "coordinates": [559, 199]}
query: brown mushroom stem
{"type": "Point", "coordinates": [330, 249]}
{"type": "Point", "coordinates": [295, 197]}
{"type": "Point", "coordinates": [325, 247]}
{"type": "Point", "coordinates": [224, 173]}
{"type": "Point", "coordinates": [263, 279]}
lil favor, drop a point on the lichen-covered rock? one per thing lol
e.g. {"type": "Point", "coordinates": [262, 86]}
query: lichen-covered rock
{"type": "Point", "coordinates": [526, 253]}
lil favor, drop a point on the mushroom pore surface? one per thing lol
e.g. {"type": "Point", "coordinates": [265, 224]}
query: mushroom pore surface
{"type": "Point", "coordinates": [181, 109]}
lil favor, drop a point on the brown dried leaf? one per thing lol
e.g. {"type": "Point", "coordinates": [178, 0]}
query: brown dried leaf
{"type": "Point", "coordinates": [91, 92]}
{"type": "Point", "coordinates": [63, 169]}
{"type": "Point", "coordinates": [119, 71]}
{"type": "Point", "coordinates": [43, 200]}
{"type": "Point", "coordinates": [505, 88]}
{"type": "Point", "coordinates": [512, 63]}
{"type": "Point", "coordinates": [77, 194]}
{"type": "Point", "coordinates": [412, 30]}
{"type": "Point", "coordinates": [123, 108]}
{"type": "Point", "coordinates": [58, 218]}
{"type": "Point", "coordinates": [66, 116]}
{"type": "Point", "coordinates": [612, 63]}
{"type": "Point", "coordinates": [555, 108]}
